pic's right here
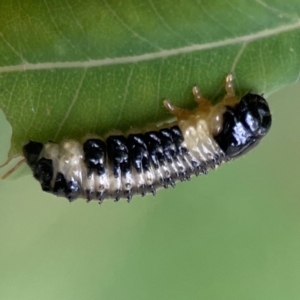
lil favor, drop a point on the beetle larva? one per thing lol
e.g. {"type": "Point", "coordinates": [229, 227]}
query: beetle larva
{"type": "Point", "coordinates": [121, 166]}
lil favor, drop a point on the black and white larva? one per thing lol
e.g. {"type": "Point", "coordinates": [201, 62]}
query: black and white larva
{"type": "Point", "coordinates": [121, 166]}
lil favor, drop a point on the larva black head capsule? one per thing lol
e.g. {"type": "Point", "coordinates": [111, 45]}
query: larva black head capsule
{"type": "Point", "coordinates": [244, 125]}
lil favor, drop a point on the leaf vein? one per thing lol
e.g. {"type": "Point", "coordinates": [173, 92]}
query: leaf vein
{"type": "Point", "coordinates": [263, 68]}
{"type": "Point", "coordinates": [279, 13]}
{"type": "Point", "coordinates": [71, 105]}
{"type": "Point", "coordinates": [98, 106]}
{"type": "Point", "coordinates": [56, 26]}
{"type": "Point", "coordinates": [158, 89]}
{"type": "Point", "coordinates": [128, 27]}
{"type": "Point", "coordinates": [11, 47]}
{"type": "Point", "coordinates": [152, 56]}
{"type": "Point", "coordinates": [125, 96]}
{"type": "Point", "coordinates": [237, 57]}
{"type": "Point", "coordinates": [159, 16]}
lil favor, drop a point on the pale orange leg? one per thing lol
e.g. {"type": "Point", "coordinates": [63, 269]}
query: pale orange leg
{"type": "Point", "coordinates": [180, 113]}
{"type": "Point", "coordinates": [204, 104]}
{"type": "Point", "coordinates": [229, 86]}
{"type": "Point", "coordinates": [230, 98]}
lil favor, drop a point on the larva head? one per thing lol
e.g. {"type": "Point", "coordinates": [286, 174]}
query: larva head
{"type": "Point", "coordinates": [244, 125]}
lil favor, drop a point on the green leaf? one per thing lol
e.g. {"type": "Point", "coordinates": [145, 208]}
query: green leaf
{"type": "Point", "coordinates": [68, 68]}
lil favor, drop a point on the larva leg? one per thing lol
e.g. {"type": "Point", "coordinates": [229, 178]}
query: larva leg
{"type": "Point", "coordinates": [229, 86]}
{"type": "Point", "coordinates": [230, 98]}
{"type": "Point", "coordinates": [204, 104]}
{"type": "Point", "coordinates": [13, 169]}
{"type": "Point", "coordinates": [180, 113]}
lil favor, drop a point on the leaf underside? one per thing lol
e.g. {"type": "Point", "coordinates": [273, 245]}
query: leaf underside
{"type": "Point", "coordinates": [72, 68]}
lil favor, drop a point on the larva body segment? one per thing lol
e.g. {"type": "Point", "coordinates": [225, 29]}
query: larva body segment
{"type": "Point", "coordinates": [121, 166]}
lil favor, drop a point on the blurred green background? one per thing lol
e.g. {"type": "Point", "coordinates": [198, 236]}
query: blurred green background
{"type": "Point", "coordinates": [233, 234]}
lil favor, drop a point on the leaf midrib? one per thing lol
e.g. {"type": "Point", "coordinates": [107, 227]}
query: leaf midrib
{"type": "Point", "coordinates": [150, 56]}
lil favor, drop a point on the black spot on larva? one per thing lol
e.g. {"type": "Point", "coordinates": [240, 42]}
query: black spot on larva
{"type": "Point", "coordinates": [244, 125]}
{"type": "Point", "coordinates": [155, 149]}
{"type": "Point", "coordinates": [152, 189]}
{"type": "Point", "coordinates": [138, 152]}
{"type": "Point", "coordinates": [73, 190]}
{"type": "Point", "coordinates": [89, 195]}
{"type": "Point", "coordinates": [95, 156]}
{"type": "Point", "coordinates": [117, 195]}
{"type": "Point", "coordinates": [32, 151]}
{"type": "Point", "coordinates": [43, 172]}
{"type": "Point", "coordinates": [168, 145]}
{"type": "Point", "coordinates": [178, 140]}
{"type": "Point", "coordinates": [60, 185]}
{"type": "Point", "coordinates": [128, 195]}
{"type": "Point", "coordinates": [143, 190]}
{"type": "Point", "coordinates": [100, 196]}
{"type": "Point", "coordinates": [168, 181]}
{"type": "Point", "coordinates": [118, 154]}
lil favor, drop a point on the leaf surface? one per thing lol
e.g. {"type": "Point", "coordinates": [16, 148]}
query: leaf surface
{"type": "Point", "coordinates": [72, 68]}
